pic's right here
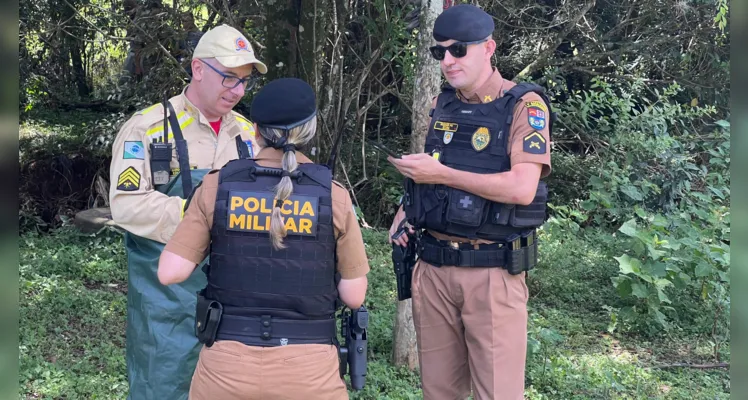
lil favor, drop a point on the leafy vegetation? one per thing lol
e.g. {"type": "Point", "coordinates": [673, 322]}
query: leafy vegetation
{"type": "Point", "coordinates": [635, 258]}
{"type": "Point", "coordinates": [73, 287]}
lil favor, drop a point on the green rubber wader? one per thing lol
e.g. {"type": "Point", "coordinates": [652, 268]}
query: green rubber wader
{"type": "Point", "coordinates": [161, 349]}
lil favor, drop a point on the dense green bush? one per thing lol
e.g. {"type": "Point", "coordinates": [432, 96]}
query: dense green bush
{"type": "Point", "coordinates": [658, 180]}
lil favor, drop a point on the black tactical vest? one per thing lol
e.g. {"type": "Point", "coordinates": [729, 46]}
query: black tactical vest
{"type": "Point", "coordinates": [246, 274]}
{"type": "Point", "coordinates": [473, 137]}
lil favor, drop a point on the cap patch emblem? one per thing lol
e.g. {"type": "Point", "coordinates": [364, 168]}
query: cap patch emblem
{"type": "Point", "coordinates": [241, 44]}
{"type": "Point", "coordinates": [481, 137]}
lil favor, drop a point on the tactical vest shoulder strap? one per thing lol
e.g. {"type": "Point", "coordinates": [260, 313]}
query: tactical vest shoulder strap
{"type": "Point", "coordinates": [240, 168]}
{"type": "Point", "coordinates": [230, 170]}
{"type": "Point", "coordinates": [522, 88]}
{"type": "Point", "coordinates": [318, 173]}
{"type": "Point", "coordinates": [447, 97]}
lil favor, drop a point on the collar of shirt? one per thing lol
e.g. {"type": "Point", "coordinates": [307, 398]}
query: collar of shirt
{"type": "Point", "coordinates": [194, 112]}
{"type": "Point", "coordinates": [490, 91]}
{"type": "Point", "coordinates": [273, 157]}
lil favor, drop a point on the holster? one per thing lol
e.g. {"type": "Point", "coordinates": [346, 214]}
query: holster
{"type": "Point", "coordinates": [354, 352]}
{"type": "Point", "coordinates": [207, 319]}
{"type": "Point", "coordinates": [403, 260]}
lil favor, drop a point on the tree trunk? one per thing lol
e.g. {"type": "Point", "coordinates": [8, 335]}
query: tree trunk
{"type": "Point", "coordinates": [427, 82]}
{"type": "Point", "coordinates": [281, 50]}
{"type": "Point", "coordinates": [428, 75]}
{"type": "Point", "coordinates": [79, 73]}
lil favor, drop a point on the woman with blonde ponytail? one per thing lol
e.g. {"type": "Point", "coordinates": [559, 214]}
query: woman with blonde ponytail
{"type": "Point", "coordinates": [297, 136]}
{"type": "Point", "coordinates": [284, 246]}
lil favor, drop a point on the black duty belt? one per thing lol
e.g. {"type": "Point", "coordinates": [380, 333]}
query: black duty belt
{"type": "Point", "coordinates": [517, 254]}
{"type": "Point", "coordinates": [267, 332]}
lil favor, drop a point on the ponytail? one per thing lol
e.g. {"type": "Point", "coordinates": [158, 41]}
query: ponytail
{"type": "Point", "coordinates": [297, 136]}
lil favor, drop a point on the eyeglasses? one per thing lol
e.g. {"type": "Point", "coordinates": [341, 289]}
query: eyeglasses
{"type": "Point", "coordinates": [231, 81]}
{"type": "Point", "coordinates": [456, 49]}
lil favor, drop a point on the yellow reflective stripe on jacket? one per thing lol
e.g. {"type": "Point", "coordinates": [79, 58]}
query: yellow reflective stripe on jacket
{"type": "Point", "coordinates": [184, 120]}
{"type": "Point", "coordinates": [246, 125]}
{"type": "Point", "coordinates": [149, 109]}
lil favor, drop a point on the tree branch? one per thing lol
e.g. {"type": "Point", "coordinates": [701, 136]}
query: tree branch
{"type": "Point", "coordinates": [543, 57]}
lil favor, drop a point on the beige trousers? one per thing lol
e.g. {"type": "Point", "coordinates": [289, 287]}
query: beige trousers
{"type": "Point", "coordinates": [471, 327]}
{"type": "Point", "coordinates": [230, 370]}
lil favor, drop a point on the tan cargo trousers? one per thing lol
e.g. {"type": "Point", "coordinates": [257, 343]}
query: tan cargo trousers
{"type": "Point", "coordinates": [230, 370]}
{"type": "Point", "coordinates": [471, 327]}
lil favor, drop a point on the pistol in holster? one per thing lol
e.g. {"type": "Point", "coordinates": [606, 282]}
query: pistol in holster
{"type": "Point", "coordinates": [207, 319]}
{"type": "Point", "coordinates": [353, 352]}
{"type": "Point", "coordinates": [403, 260]}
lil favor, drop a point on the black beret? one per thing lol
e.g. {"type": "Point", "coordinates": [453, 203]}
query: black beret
{"type": "Point", "coordinates": [463, 23]}
{"type": "Point", "coordinates": [283, 103]}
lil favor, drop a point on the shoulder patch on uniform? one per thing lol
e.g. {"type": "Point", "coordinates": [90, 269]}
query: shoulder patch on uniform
{"type": "Point", "coordinates": [534, 143]}
{"type": "Point", "coordinates": [536, 103]}
{"type": "Point", "coordinates": [134, 150]}
{"type": "Point", "coordinates": [536, 118]}
{"type": "Point", "coordinates": [128, 180]}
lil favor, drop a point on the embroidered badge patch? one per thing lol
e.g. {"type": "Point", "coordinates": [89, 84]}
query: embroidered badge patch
{"type": "Point", "coordinates": [250, 148]}
{"type": "Point", "coordinates": [537, 104]}
{"type": "Point", "coordinates": [445, 126]}
{"type": "Point", "coordinates": [536, 117]}
{"type": "Point", "coordinates": [481, 137]}
{"type": "Point", "coordinates": [128, 180]}
{"type": "Point", "coordinates": [134, 151]}
{"type": "Point", "coordinates": [241, 44]}
{"type": "Point", "coordinates": [448, 137]}
{"type": "Point", "coordinates": [534, 143]}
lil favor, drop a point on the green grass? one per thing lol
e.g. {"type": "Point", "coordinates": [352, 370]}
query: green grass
{"type": "Point", "coordinates": [72, 307]}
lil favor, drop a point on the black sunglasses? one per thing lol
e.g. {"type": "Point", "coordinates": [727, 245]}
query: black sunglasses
{"type": "Point", "coordinates": [456, 49]}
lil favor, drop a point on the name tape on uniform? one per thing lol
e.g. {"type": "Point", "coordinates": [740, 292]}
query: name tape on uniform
{"type": "Point", "coordinates": [252, 212]}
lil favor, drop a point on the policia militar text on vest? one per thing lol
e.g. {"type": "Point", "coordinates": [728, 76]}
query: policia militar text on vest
{"type": "Point", "coordinates": [474, 137]}
{"type": "Point", "coordinates": [277, 297]}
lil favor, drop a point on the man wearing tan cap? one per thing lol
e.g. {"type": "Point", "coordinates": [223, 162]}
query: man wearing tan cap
{"type": "Point", "coordinates": [152, 174]}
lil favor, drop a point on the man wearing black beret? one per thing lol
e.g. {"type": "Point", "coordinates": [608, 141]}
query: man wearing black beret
{"type": "Point", "coordinates": [475, 199]}
{"type": "Point", "coordinates": [278, 230]}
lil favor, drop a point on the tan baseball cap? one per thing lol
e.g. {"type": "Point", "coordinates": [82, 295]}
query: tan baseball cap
{"type": "Point", "coordinates": [229, 47]}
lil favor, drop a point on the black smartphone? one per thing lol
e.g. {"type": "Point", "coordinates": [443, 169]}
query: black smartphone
{"type": "Point", "coordinates": [381, 147]}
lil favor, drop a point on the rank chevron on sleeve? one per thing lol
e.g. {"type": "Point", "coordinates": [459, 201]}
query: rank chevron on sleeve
{"type": "Point", "coordinates": [128, 180]}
